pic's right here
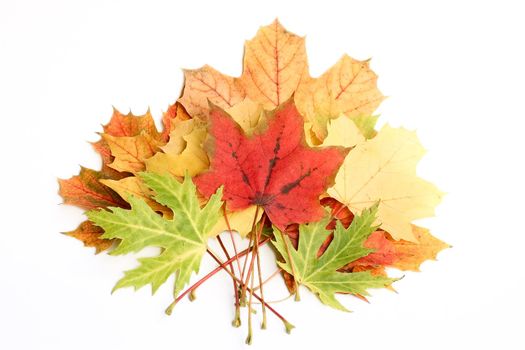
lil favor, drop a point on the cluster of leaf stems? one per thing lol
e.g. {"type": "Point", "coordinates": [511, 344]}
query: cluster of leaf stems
{"type": "Point", "coordinates": [244, 284]}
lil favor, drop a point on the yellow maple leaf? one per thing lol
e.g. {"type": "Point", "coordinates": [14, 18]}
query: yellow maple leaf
{"type": "Point", "coordinates": [174, 114]}
{"type": "Point", "coordinates": [180, 130]}
{"type": "Point", "coordinates": [340, 132]}
{"type": "Point", "coordinates": [192, 158]}
{"type": "Point", "coordinates": [384, 169]}
{"type": "Point", "coordinates": [247, 114]}
{"type": "Point", "coordinates": [274, 65]}
{"type": "Point", "coordinates": [349, 88]}
{"type": "Point", "coordinates": [206, 85]}
{"type": "Point", "coordinates": [134, 186]}
{"type": "Point", "coordinates": [240, 221]}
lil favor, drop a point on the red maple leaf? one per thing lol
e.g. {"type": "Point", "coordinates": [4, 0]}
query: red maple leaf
{"type": "Point", "coordinates": [384, 253]}
{"type": "Point", "coordinates": [274, 168]}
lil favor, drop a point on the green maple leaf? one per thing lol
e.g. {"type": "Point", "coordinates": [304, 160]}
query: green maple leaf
{"type": "Point", "coordinates": [183, 238]}
{"type": "Point", "coordinates": [320, 274]}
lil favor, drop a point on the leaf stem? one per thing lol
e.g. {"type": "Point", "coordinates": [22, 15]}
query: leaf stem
{"type": "Point", "coordinates": [250, 301]}
{"type": "Point", "coordinates": [210, 274]}
{"type": "Point", "coordinates": [286, 245]}
{"type": "Point", "coordinates": [231, 237]}
{"type": "Point", "coordinates": [237, 318]}
{"type": "Point", "coordinates": [288, 326]}
{"type": "Point", "coordinates": [263, 307]}
{"type": "Point", "coordinates": [297, 296]}
{"type": "Point", "coordinates": [250, 245]}
{"type": "Point", "coordinates": [275, 273]}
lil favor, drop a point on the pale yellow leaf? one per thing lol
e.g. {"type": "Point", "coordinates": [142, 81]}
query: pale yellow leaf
{"type": "Point", "coordinates": [192, 159]}
{"type": "Point", "coordinates": [311, 138]}
{"type": "Point", "coordinates": [247, 114]}
{"type": "Point", "coordinates": [180, 129]}
{"type": "Point", "coordinates": [240, 221]}
{"type": "Point", "coordinates": [342, 132]}
{"type": "Point", "coordinates": [134, 186]}
{"type": "Point", "coordinates": [384, 169]}
{"type": "Point", "coordinates": [274, 65]}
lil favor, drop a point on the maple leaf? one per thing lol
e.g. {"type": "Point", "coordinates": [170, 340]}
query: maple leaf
{"type": "Point", "coordinates": [87, 192]}
{"type": "Point", "coordinates": [384, 169]}
{"type": "Point", "coordinates": [90, 234]}
{"type": "Point", "coordinates": [384, 251]}
{"type": "Point", "coordinates": [341, 131]}
{"type": "Point", "coordinates": [248, 114]}
{"type": "Point", "coordinates": [182, 238]}
{"type": "Point", "coordinates": [239, 221]}
{"type": "Point", "coordinates": [206, 85]}
{"type": "Point", "coordinates": [130, 152]}
{"type": "Point", "coordinates": [134, 186]}
{"type": "Point", "coordinates": [183, 153]}
{"type": "Point", "coordinates": [319, 272]}
{"type": "Point", "coordinates": [274, 65]}
{"type": "Point", "coordinates": [177, 138]}
{"type": "Point", "coordinates": [377, 270]}
{"type": "Point", "coordinates": [130, 124]}
{"type": "Point", "coordinates": [126, 125]}
{"type": "Point", "coordinates": [402, 255]}
{"type": "Point", "coordinates": [410, 256]}
{"type": "Point", "coordinates": [349, 88]}
{"type": "Point", "coordinates": [103, 150]}
{"type": "Point", "coordinates": [317, 147]}
{"type": "Point", "coordinates": [366, 124]}
{"type": "Point", "coordinates": [273, 168]}
{"type": "Point", "coordinates": [175, 112]}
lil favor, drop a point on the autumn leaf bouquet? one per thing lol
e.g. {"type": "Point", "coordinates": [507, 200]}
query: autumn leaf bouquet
{"type": "Point", "coordinates": [276, 157]}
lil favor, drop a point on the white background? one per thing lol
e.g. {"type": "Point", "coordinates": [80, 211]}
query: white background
{"type": "Point", "coordinates": [452, 70]}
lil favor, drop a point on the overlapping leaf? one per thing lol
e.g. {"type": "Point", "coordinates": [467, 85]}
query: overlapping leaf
{"type": "Point", "coordinates": [273, 168]}
{"type": "Point", "coordinates": [183, 238]}
{"type": "Point", "coordinates": [384, 169]}
{"type": "Point", "coordinates": [319, 272]}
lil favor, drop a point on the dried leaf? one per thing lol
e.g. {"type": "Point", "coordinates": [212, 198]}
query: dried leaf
{"type": "Point", "coordinates": [130, 152]}
{"type": "Point", "coordinates": [384, 169]}
{"type": "Point", "coordinates": [342, 132]}
{"type": "Point", "coordinates": [274, 65]}
{"type": "Point", "coordinates": [192, 159]}
{"type": "Point", "coordinates": [85, 191]}
{"type": "Point", "coordinates": [248, 114]}
{"type": "Point", "coordinates": [239, 221]}
{"type": "Point", "coordinates": [319, 272]}
{"type": "Point", "coordinates": [90, 234]}
{"type": "Point", "coordinates": [174, 113]}
{"type": "Point", "coordinates": [273, 169]}
{"type": "Point", "coordinates": [410, 256]}
{"type": "Point", "coordinates": [134, 186]}
{"type": "Point", "coordinates": [183, 238]}
{"type": "Point", "coordinates": [131, 125]}
{"type": "Point", "coordinates": [349, 88]}
{"type": "Point", "coordinates": [206, 85]}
